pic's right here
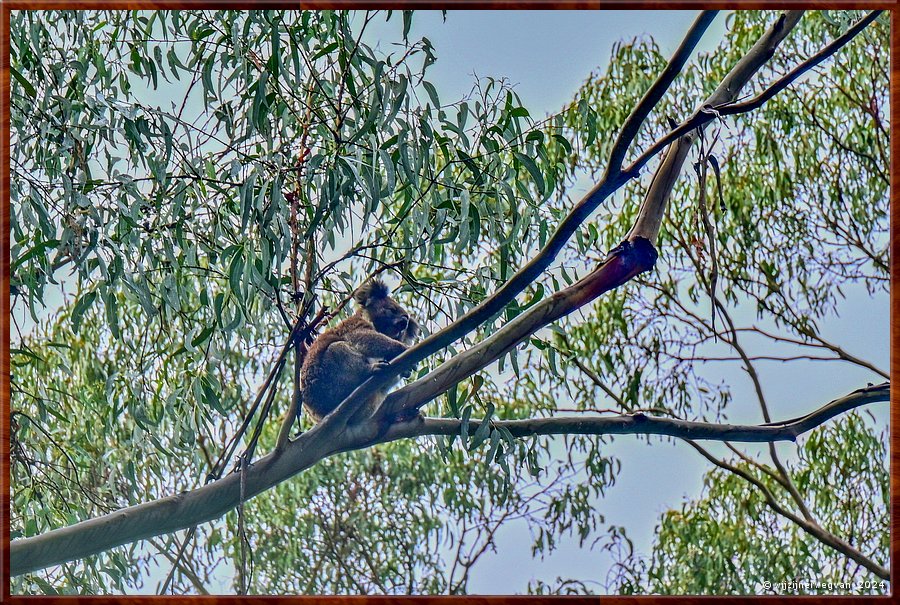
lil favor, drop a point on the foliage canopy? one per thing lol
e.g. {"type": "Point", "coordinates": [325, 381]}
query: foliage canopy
{"type": "Point", "coordinates": [194, 180]}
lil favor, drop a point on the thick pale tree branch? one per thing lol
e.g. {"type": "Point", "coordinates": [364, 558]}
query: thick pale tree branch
{"type": "Point", "coordinates": [719, 105]}
{"type": "Point", "coordinates": [211, 501]}
{"type": "Point", "coordinates": [494, 304]}
{"type": "Point", "coordinates": [332, 435]}
{"type": "Point", "coordinates": [652, 210]}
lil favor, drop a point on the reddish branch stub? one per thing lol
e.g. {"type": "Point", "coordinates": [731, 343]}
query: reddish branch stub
{"type": "Point", "coordinates": [635, 256]}
{"type": "Point", "coordinates": [630, 258]}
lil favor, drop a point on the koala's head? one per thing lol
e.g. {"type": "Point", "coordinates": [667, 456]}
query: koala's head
{"type": "Point", "coordinates": [384, 312]}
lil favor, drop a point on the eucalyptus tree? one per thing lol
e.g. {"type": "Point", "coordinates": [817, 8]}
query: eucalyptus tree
{"type": "Point", "coordinates": [783, 221]}
{"type": "Point", "coordinates": [205, 189]}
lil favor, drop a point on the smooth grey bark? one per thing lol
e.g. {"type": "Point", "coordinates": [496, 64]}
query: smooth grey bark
{"type": "Point", "coordinates": [210, 502]}
{"type": "Point", "coordinates": [333, 434]}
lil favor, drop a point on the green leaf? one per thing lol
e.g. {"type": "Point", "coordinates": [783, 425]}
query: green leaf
{"type": "Point", "coordinates": [81, 306]}
{"type": "Point", "coordinates": [464, 425]}
{"type": "Point", "coordinates": [472, 166]}
{"type": "Point", "coordinates": [204, 334]}
{"type": "Point", "coordinates": [245, 191]}
{"type": "Point", "coordinates": [25, 353]}
{"type": "Point", "coordinates": [532, 170]}
{"type": "Point", "coordinates": [432, 93]}
{"type": "Point", "coordinates": [563, 141]}
{"type": "Point", "coordinates": [34, 251]}
{"type": "Point", "coordinates": [407, 23]}
{"type": "Point", "coordinates": [29, 88]}
{"type": "Point", "coordinates": [327, 49]}
{"type": "Point", "coordinates": [45, 586]}
{"type": "Point", "coordinates": [206, 77]}
{"type": "Point", "coordinates": [483, 430]}
{"type": "Point", "coordinates": [235, 273]}
{"type": "Point", "coordinates": [495, 444]}
{"type": "Point", "coordinates": [112, 312]}
{"type": "Point", "coordinates": [452, 394]}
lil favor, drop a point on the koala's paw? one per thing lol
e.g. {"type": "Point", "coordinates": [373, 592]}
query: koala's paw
{"type": "Point", "coordinates": [380, 364]}
{"type": "Point", "coordinates": [407, 373]}
{"type": "Point", "coordinates": [408, 416]}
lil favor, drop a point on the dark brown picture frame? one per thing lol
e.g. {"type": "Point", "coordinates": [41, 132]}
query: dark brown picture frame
{"type": "Point", "coordinates": [16, 5]}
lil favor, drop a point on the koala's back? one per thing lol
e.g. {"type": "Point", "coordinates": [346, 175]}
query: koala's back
{"type": "Point", "coordinates": [333, 368]}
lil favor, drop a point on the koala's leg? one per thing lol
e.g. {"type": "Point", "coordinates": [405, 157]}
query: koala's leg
{"type": "Point", "coordinates": [349, 367]}
{"type": "Point", "coordinates": [351, 361]}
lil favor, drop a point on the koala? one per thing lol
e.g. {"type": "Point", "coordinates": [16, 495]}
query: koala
{"type": "Point", "coordinates": [343, 357]}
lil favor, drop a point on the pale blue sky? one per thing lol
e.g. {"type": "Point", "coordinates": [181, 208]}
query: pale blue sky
{"type": "Point", "coordinates": [548, 55]}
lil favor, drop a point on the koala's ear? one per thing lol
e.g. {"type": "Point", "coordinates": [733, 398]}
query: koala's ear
{"type": "Point", "coordinates": [373, 289]}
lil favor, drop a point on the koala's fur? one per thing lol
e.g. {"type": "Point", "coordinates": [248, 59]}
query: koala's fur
{"type": "Point", "coordinates": [341, 358]}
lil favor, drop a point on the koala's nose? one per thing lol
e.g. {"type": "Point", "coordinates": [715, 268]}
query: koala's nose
{"type": "Point", "coordinates": [402, 322]}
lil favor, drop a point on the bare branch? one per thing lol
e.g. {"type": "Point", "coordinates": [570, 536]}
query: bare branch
{"type": "Point", "coordinates": [652, 210]}
{"type": "Point", "coordinates": [491, 306]}
{"type": "Point", "coordinates": [764, 408]}
{"type": "Point", "coordinates": [810, 527]}
{"type": "Point", "coordinates": [652, 97]}
{"type": "Point", "coordinates": [211, 501]}
{"type": "Point", "coordinates": [641, 424]}
{"type": "Point", "coordinates": [710, 111]}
